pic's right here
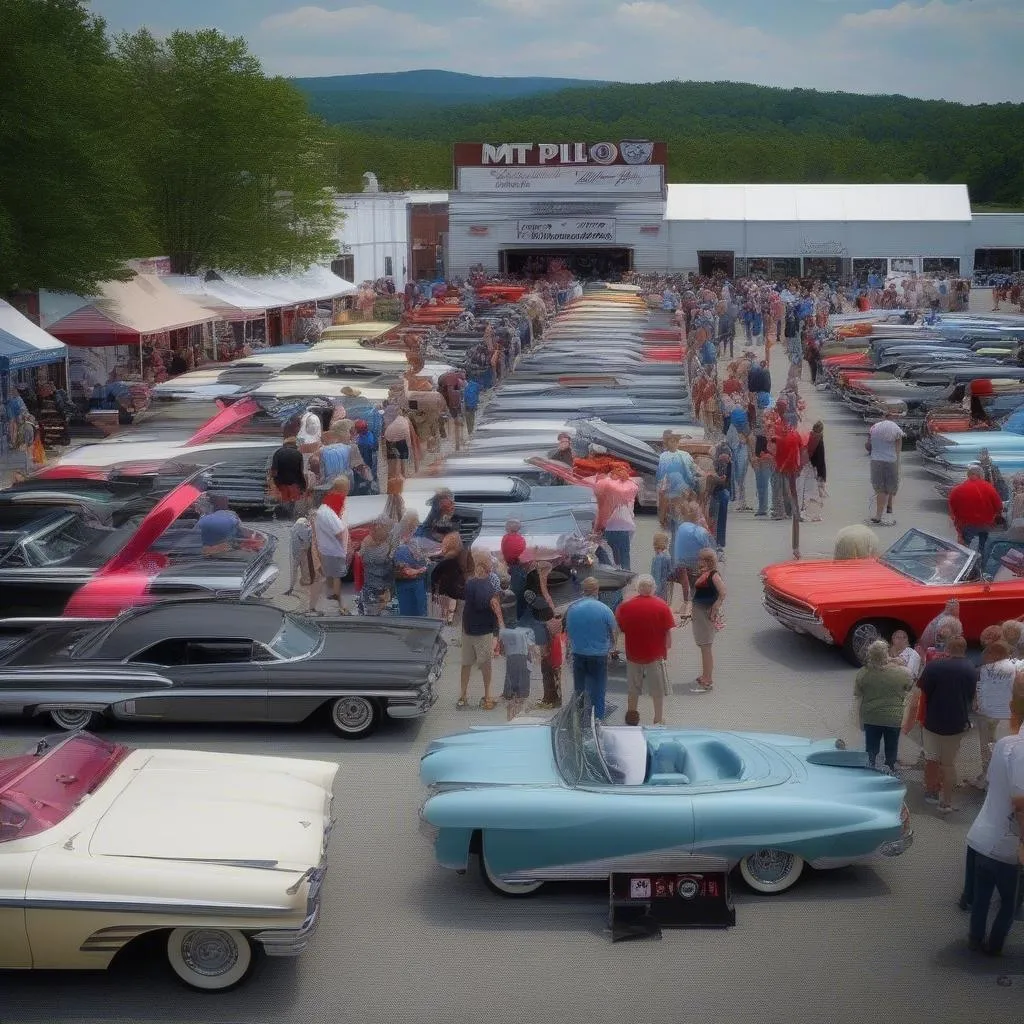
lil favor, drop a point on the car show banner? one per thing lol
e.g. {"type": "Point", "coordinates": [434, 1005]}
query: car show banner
{"type": "Point", "coordinates": [568, 230]}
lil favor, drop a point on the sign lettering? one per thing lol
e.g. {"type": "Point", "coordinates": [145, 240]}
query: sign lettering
{"type": "Point", "coordinates": [629, 152]}
{"type": "Point", "coordinates": [570, 230]}
{"type": "Point", "coordinates": [642, 180]}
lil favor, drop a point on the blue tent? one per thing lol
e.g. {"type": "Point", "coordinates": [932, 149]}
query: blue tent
{"type": "Point", "coordinates": [23, 344]}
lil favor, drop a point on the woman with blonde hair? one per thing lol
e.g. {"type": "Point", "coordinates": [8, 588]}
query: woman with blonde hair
{"type": "Point", "coordinates": [709, 594]}
{"type": "Point", "coordinates": [881, 688]}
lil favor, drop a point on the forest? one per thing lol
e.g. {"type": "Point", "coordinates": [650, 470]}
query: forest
{"type": "Point", "coordinates": [716, 132]}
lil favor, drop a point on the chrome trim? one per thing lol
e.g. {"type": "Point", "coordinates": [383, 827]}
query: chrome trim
{"type": "Point", "coordinates": [648, 861]}
{"type": "Point", "coordinates": [795, 618]}
{"type": "Point", "coordinates": [292, 941]}
{"type": "Point", "coordinates": [169, 907]}
{"type": "Point", "coordinates": [896, 847]}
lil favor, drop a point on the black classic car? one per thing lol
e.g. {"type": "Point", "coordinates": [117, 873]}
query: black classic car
{"type": "Point", "coordinates": [64, 560]}
{"type": "Point", "coordinates": [200, 660]}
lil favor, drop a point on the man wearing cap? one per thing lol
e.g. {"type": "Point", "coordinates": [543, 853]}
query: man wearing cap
{"type": "Point", "coordinates": [220, 529]}
{"type": "Point", "coordinates": [974, 507]}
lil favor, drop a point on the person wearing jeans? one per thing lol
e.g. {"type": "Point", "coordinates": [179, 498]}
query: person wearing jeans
{"type": "Point", "coordinates": [721, 477]}
{"type": "Point", "coordinates": [995, 849]}
{"type": "Point", "coordinates": [763, 469]}
{"type": "Point", "coordinates": [881, 688]}
{"type": "Point", "coordinates": [591, 628]}
{"type": "Point", "coordinates": [738, 437]}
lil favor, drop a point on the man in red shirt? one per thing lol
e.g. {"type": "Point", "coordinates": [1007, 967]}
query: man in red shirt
{"type": "Point", "coordinates": [788, 457]}
{"type": "Point", "coordinates": [646, 623]}
{"type": "Point", "coordinates": [974, 507]}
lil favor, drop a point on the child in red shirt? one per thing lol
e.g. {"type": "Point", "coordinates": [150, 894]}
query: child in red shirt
{"type": "Point", "coordinates": [551, 666]}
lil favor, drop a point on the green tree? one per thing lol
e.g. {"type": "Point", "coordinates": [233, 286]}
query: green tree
{"type": "Point", "coordinates": [68, 193]}
{"type": "Point", "coordinates": [236, 172]}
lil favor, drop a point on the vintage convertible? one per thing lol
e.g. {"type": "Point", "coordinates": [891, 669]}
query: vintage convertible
{"type": "Point", "coordinates": [851, 603]}
{"type": "Point", "coordinates": [222, 661]}
{"type": "Point", "coordinates": [210, 858]}
{"type": "Point", "coordinates": [572, 799]}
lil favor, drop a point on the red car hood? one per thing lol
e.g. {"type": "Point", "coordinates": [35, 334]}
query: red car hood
{"type": "Point", "coordinates": [826, 583]}
{"type": "Point", "coordinates": [160, 517]}
{"type": "Point", "coordinates": [233, 414]}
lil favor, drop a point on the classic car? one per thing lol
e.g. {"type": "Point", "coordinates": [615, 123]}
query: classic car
{"type": "Point", "coordinates": [852, 603]}
{"type": "Point", "coordinates": [222, 661]}
{"type": "Point", "coordinates": [572, 799]}
{"type": "Point", "coordinates": [57, 560]}
{"type": "Point", "coordinates": [212, 859]}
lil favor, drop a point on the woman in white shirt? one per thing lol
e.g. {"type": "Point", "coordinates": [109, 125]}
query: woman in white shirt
{"type": "Point", "coordinates": [992, 701]}
{"type": "Point", "coordinates": [904, 655]}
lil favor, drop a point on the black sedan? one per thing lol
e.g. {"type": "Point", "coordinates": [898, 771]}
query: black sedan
{"type": "Point", "coordinates": [214, 661]}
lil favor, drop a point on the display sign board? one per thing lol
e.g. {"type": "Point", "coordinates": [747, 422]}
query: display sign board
{"type": "Point", "coordinates": [568, 230]}
{"type": "Point", "coordinates": [644, 903]}
{"type": "Point", "coordinates": [642, 180]}
{"type": "Point", "coordinates": [626, 152]}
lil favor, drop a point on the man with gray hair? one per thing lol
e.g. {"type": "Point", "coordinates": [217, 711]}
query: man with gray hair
{"type": "Point", "coordinates": [646, 622]}
{"type": "Point", "coordinates": [590, 626]}
{"type": "Point", "coordinates": [975, 506]}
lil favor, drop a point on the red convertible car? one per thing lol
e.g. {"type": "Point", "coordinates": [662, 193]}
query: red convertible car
{"type": "Point", "coordinates": [851, 603]}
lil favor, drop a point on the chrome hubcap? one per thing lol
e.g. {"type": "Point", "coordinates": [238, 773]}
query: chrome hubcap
{"type": "Point", "coordinates": [770, 865]}
{"type": "Point", "coordinates": [71, 718]}
{"type": "Point", "coordinates": [863, 636]}
{"type": "Point", "coordinates": [353, 714]}
{"type": "Point", "coordinates": [209, 953]}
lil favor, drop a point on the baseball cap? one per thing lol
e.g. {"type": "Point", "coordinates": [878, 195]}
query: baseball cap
{"type": "Point", "coordinates": [667, 434]}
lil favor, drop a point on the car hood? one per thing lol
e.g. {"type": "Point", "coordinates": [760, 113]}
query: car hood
{"type": "Point", "coordinates": [218, 808]}
{"type": "Point", "coordinates": [492, 756]}
{"type": "Point", "coordinates": [828, 582]}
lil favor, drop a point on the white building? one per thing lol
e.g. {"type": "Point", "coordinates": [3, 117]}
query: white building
{"type": "Point", "coordinates": [839, 230]}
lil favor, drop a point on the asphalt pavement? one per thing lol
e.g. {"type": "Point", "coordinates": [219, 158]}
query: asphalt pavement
{"type": "Point", "coordinates": [403, 941]}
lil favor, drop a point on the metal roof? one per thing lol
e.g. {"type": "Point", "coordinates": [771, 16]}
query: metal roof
{"type": "Point", "coordinates": [804, 203]}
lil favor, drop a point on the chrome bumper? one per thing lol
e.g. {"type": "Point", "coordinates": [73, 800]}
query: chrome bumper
{"type": "Point", "coordinates": [415, 708]}
{"type": "Point", "coordinates": [897, 846]}
{"type": "Point", "coordinates": [262, 583]}
{"type": "Point", "coordinates": [290, 942]}
{"type": "Point", "coordinates": [797, 620]}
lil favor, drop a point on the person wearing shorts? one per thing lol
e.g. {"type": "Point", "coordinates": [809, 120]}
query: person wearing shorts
{"type": "Point", "coordinates": [482, 618]}
{"type": "Point", "coordinates": [949, 686]}
{"type": "Point", "coordinates": [646, 623]}
{"type": "Point", "coordinates": [884, 441]}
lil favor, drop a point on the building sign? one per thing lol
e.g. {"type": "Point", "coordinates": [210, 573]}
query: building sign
{"type": "Point", "coordinates": [627, 152]}
{"type": "Point", "coordinates": [650, 229]}
{"type": "Point", "coordinates": [571, 230]}
{"type": "Point", "coordinates": [809, 248]}
{"type": "Point", "coordinates": [479, 230]}
{"type": "Point", "coordinates": [645, 180]}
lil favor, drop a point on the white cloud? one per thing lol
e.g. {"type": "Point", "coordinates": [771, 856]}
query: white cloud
{"type": "Point", "coordinates": [373, 26]}
{"type": "Point", "coordinates": [969, 15]}
{"type": "Point", "coordinates": [546, 9]}
{"type": "Point", "coordinates": [952, 49]}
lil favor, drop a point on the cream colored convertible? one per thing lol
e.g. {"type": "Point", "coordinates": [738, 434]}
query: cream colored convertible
{"type": "Point", "coordinates": [217, 857]}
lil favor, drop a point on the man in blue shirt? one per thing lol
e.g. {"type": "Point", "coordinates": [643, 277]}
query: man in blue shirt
{"type": "Point", "coordinates": [219, 529]}
{"type": "Point", "coordinates": [470, 400]}
{"type": "Point", "coordinates": [591, 628]}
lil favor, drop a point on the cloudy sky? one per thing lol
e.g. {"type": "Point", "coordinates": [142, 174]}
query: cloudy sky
{"type": "Point", "coordinates": [967, 50]}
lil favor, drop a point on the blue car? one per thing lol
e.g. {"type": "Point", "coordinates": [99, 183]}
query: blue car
{"type": "Point", "coordinates": [571, 799]}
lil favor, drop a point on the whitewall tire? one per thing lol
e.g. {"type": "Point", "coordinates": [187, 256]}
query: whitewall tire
{"type": "Point", "coordinates": [496, 884]}
{"type": "Point", "coordinates": [73, 719]}
{"type": "Point", "coordinates": [354, 717]}
{"type": "Point", "coordinates": [771, 871]}
{"type": "Point", "coordinates": [209, 959]}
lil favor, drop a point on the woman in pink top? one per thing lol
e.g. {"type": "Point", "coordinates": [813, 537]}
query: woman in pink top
{"type": "Point", "coordinates": [616, 496]}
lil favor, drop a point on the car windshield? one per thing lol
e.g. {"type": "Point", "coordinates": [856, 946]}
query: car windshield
{"type": "Point", "coordinates": [38, 791]}
{"type": "Point", "coordinates": [929, 559]}
{"type": "Point", "coordinates": [295, 639]}
{"type": "Point", "coordinates": [577, 753]}
{"type": "Point", "coordinates": [63, 541]}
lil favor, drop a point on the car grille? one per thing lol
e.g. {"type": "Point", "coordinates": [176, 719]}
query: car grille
{"type": "Point", "coordinates": [781, 603]}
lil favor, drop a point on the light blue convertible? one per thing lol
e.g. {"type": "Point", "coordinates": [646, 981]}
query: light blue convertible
{"type": "Point", "coordinates": [571, 799]}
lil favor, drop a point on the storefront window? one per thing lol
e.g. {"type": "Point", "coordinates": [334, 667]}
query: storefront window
{"type": "Point", "coordinates": [941, 265]}
{"type": "Point", "coordinates": [863, 268]}
{"type": "Point", "coordinates": [824, 267]}
{"type": "Point", "coordinates": [997, 261]}
{"type": "Point", "coordinates": [784, 267]}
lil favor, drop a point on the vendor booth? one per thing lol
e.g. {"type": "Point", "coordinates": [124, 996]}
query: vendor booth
{"type": "Point", "coordinates": [33, 379]}
{"type": "Point", "coordinates": [131, 335]}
